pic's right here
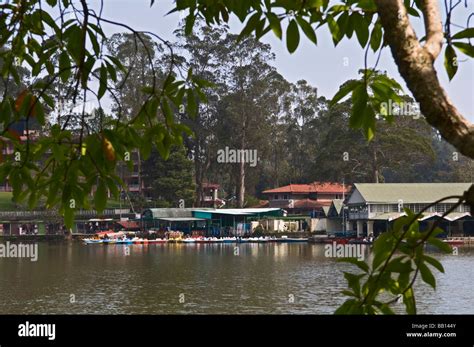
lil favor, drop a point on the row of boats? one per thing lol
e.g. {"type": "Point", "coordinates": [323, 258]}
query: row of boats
{"type": "Point", "coordinates": [197, 240]}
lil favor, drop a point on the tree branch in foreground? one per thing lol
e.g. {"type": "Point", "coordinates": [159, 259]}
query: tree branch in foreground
{"type": "Point", "coordinates": [415, 64]}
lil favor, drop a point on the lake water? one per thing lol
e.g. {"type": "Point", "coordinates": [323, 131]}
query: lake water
{"type": "Point", "coordinates": [71, 278]}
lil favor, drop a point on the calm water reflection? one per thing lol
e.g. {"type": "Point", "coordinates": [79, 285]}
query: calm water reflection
{"type": "Point", "coordinates": [263, 278]}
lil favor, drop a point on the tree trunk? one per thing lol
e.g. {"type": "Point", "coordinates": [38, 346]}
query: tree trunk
{"type": "Point", "coordinates": [241, 194]}
{"type": "Point", "coordinates": [375, 168]}
{"type": "Point", "coordinates": [415, 64]}
{"type": "Point", "coordinates": [199, 173]}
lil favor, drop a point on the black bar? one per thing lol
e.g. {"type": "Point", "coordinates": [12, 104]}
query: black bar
{"type": "Point", "coordinates": [90, 330]}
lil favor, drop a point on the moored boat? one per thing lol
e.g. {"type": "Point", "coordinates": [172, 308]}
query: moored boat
{"type": "Point", "coordinates": [452, 242]}
{"type": "Point", "coordinates": [285, 238]}
{"type": "Point", "coordinates": [92, 241]}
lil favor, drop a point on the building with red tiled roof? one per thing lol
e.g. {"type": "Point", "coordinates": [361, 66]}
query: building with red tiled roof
{"type": "Point", "coordinates": [306, 198]}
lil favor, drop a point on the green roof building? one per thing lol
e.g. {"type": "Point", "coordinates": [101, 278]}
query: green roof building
{"type": "Point", "coordinates": [373, 206]}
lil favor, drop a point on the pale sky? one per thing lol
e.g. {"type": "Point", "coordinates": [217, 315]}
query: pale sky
{"type": "Point", "coordinates": [322, 65]}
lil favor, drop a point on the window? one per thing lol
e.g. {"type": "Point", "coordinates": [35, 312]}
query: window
{"type": "Point", "coordinates": [442, 208]}
{"type": "Point", "coordinates": [379, 208]}
{"type": "Point", "coordinates": [275, 197]}
{"type": "Point", "coordinates": [285, 197]}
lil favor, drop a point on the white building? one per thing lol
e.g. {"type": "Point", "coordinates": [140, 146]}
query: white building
{"type": "Point", "coordinates": [373, 206]}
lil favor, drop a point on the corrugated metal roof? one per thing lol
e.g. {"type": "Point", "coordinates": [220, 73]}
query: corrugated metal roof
{"type": "Point", "coordinates": [457, 215]}
{"type": "Point", "coordinates": [409, 192]}
{"type": "Point", "coordinates": [426, 216]}
{"type": "Point", "coordinates": [157, 213]}
{"type": "Point", "coordinates": [162, 213]}
{"type": "Point", "coordinates": [389, 216]}
{"type": "Point", "coordinates": [238, 211]}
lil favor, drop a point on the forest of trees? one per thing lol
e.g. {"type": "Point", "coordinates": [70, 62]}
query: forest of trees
{"type": "Point", "coordinates": [298, 136]}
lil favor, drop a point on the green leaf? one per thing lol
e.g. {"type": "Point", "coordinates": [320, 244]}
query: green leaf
{"type": "Point", "coordinates": [87, 68]}
{"type": "Point", "coordinates": [345, 27]}
{"type": "Point", "coordinates": [384, 93]}
{"type": "Point", "coordinates": [413, 12]}
{"type": "Point", "coordinates": [434, 262]}
{"type": "Point", "coordinates": [275, 24]}
{"type": "Point", "coordinates": [52, 194]}
{"type": "Point", "coordinates": [441, 245]}
{"type": "Point", "coordinates": [39, 111]}
{"type": "Point", "coordinates": [260, 29]}
{"type": "Point", "coordinates": [68, 217]}
{"type": "Point", "coordinates": [450, 61]}
{"type": "Point", "coordinates": [190, 19]}
{"type": "Point", "coordinates": [64, 66]}
{"type": "Point", "coordinates": [191, 106]}
{"type": "Point", "coordinates": [362, 30]}
{"type": "Point", "coordinates": [100, 197]}
{"type": "Point", "coordinates": [381, 248]}
{"type": "Point", "coordinates": [385, 309]}
{"type": "Point", "coordinates": [45, 16]}
{"type": "Point", "coordinates": [388, 81]}
{"type": "Point", "coordinates": [466, 48]}
{"type": "Point", "coordinates": [112, 185]}
{"type": "Point", "coordinates": [250, 26]}
{"type": "Point", "coordinates": [48, 100]}
{"type": "Point", "coordinates": [307, 29]}
{"type": "Point", "coordinates": [367, 5]}
{"type": "Point", "coordinates": [351, 306]}
{"type": "Point", "coordinates": [399, 265]}
{"type": "Point", "coordinates": [463, 34]}
{"type": "Point", "coordinates": [349, 30]}
{"type": "Point", "coordinates": [102, 81]}
{"type": "Point", "coordinates": [409, 301]}
{"type": "Point", "coordinates": [334, 29]}
{"type": "Point", "coordinates": [353, 281]}
{"type": "Point", "coordinates": [345, 89]}
{"type": "Point", "coordinates": [95, 43]}
{"type": "Point", "coordinates": [292, 36]}
{"type": "Point", "coordinates": [369, 122]}
{"type": "Point", "coordinates": [166, 109]}
{"type": "Point", "coordinates": [33, 200]}
{"type": "Point", "coordinates": [74, 39]}
{"type": "Point", "coordinates": [6, 111]}
{"type": "Point", "coordinates": [117, 63]}
{"type": "Point", "coordinates": [360, 264]}
{"type": "Point", "coordinates": [427, 275]}
{"type": "Point", "coordinates": [376, 36]}
{"type": "Point", "coordinates": [359, 105]}
{"type": "Point", "coordinates": [112, 71]}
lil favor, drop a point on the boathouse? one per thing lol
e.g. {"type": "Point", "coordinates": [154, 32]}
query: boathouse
{"type": "Point", "coordinates": [373, 207]}
{"type": "Point", "coordinates": [215, 222]}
